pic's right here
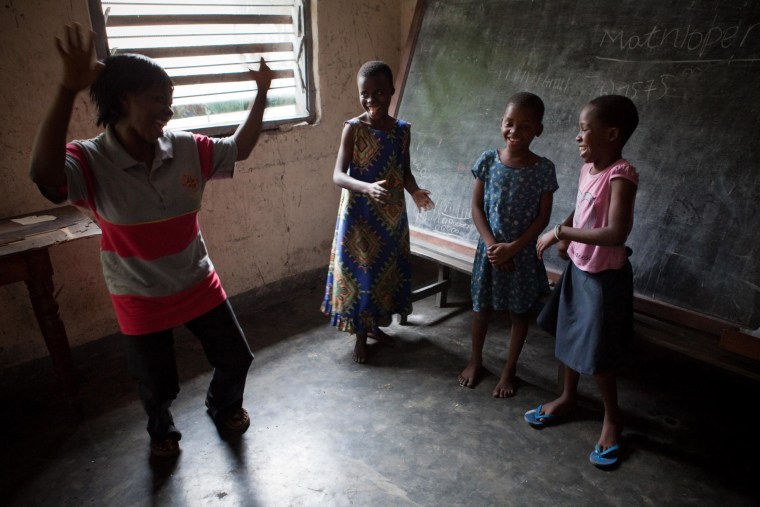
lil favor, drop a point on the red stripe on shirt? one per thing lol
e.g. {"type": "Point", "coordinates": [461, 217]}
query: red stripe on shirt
{"type": "Point", "coordinates": [144, 314]}
{"type": "Point", "coordinates": [77, 153]}
{"type": "Point", "coordinates": [150, 240]}
{"type": "Point", "coordinates": [206, 154]}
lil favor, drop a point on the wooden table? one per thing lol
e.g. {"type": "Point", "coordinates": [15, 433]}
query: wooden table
{"type": "Point", "coordinates": [24, 257]}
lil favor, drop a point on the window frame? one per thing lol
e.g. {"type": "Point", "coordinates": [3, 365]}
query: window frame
{"type": "Point", "coordinates": [305, 32]}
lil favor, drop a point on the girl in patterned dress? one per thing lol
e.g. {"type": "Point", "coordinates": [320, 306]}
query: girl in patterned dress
{"type": "Point", "coordinates": [369, 277]}
{"type": "Point", "coordinates": [511, 205]}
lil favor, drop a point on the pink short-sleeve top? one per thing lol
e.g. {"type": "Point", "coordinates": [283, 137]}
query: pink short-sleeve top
{"type": "Point", "coordinates": [591, 211]}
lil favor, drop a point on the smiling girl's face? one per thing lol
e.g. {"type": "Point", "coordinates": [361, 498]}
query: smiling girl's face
{"type": "Point", "coordinates": [375, 94]}
{"type": "Point", "coordinates": [519, 127]}
{"type": "Point", "coordinates": [596, 141]}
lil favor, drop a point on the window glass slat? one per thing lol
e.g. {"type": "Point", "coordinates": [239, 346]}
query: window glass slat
{"type": "Point", "coordinates": [197, 19]}
{"type": "Point", "coordinates": [223, 78]}
{"type": "Point", "coordinates": [210, 3]}
{"type": "Point", "coordinates": [206, 50]}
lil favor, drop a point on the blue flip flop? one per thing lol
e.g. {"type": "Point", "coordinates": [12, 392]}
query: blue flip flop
{"type": "Point", "coordinates": [605, 458]}
{"type": "Point", "coordinates": [536, 419]}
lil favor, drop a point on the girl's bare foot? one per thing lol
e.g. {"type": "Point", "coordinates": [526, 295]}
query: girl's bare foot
{"type": "Point", "coordinates": [360, 349]}
{"type": "Point", "coordinates": [506, 388]}
{"type": "Point", "coordinates": [470, 376]}
{"type": "Point", "coordinates": [381, 337]}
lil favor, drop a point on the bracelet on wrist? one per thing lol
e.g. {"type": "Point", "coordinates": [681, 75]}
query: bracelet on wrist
{"type": "Point", "coordinates": [557, 231]}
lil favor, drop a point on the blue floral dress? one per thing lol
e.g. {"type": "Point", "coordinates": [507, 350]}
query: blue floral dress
{"type": "Point", "coordinates": [511, 202]}
{"type": "Point", "coordinates": [369, 277]}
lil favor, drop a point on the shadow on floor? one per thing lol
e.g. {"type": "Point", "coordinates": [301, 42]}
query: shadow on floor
{"type": "Point", "coordinates": [397, 431]}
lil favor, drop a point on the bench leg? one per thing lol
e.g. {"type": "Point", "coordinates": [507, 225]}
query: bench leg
{"type": "Point", "coordinates": [444, 274]}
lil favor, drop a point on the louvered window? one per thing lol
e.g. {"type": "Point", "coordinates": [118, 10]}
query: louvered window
{"type": "Point", "coordinates": [206, 46]}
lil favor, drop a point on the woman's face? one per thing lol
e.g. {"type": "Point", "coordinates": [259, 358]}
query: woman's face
{"type": "Point", "coordinates": [146, 113]}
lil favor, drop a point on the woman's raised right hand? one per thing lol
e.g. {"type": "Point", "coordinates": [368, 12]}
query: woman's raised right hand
{"type": "Point", "coordinates": [80, 67]}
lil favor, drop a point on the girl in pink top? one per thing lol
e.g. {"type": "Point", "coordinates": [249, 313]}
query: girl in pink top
{"type": "Point", "coordinates": [591, 310]}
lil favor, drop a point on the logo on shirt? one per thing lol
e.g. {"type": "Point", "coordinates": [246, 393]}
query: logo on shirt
{"type": "Point", "coordinates": [590, 216]}
{"type": "Point", "coordinates": [188, 180]}
{"type": "Point", "coordinates": [586, 196]}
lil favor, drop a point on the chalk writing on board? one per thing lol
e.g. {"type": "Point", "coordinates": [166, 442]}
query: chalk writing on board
{"type": "Point", "coordinates": [689, 38]}
{"type": "Point", "coordinates": [647, 90]}
{"type": "Point", "coordinates": [544, 80]}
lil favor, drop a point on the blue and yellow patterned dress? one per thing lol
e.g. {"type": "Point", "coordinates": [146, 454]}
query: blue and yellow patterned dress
{"type": "Point", "coordinates": [369, 277]}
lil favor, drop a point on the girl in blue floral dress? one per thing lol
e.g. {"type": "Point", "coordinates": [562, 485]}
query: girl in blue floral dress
{"type": "Point", "coordinates": [369, 277]}
{"type": "Point", "coordinates": [511, 206]}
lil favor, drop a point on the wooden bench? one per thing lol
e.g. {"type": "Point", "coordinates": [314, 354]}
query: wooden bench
{"type": "Point", "coordinates": [701, 337]}
{"type": "Point", "coordinates": [446, 256]}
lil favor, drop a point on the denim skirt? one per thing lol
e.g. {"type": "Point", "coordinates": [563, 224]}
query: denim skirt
{"type": "Point", "coordinates": [591, 316]}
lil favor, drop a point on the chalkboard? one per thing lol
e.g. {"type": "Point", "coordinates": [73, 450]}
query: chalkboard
{"type": "Point", "coordinates": [690, 67]}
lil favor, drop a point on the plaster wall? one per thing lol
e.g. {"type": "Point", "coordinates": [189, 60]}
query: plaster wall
{"type": "Point", "coordinates": [274, 220]}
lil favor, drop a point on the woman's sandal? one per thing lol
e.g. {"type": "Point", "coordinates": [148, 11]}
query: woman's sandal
{"type": "Point", "coordinates": [237, 422]}
{"type": "Point", "coordinates": [165, 448]}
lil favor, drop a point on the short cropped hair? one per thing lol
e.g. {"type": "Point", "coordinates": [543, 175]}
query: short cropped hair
{"type": "Point", "coordinates": [124, 73]}
{"type": "Point", "coordinates": [529, 100]}
{"type": "Point", "coordinates": [617, 111]}
{"type": "Point", "coordinates": [375, 68]}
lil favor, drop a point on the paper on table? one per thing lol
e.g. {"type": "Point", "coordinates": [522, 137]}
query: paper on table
{"type": "Point", "coordinates": [33, 219]}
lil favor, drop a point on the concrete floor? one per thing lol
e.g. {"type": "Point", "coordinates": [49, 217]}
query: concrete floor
{"type": "Point", "coordinates": [397, 431]}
